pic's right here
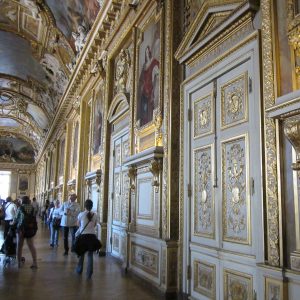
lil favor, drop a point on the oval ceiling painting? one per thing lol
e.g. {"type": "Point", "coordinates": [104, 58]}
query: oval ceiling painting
{"type": "Point", "coordinates": [16, 151]}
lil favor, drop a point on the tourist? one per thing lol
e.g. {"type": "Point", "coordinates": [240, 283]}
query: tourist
{"type": "Point", "coordinates": [69, 211]}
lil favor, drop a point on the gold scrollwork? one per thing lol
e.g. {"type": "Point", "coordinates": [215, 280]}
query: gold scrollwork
{"type": "Point", "coordinates": [155, 168]}
{"type": "Point", "coordinates": [158, 119]}
{"type": "Point", "coordinates": [132, 176]}
{"type": "Point", "coordinates": [204, 200]}
{"type": "Point", "coordinates": [292, 132]}
{"type": "Point", "coordinates": [236, 207]}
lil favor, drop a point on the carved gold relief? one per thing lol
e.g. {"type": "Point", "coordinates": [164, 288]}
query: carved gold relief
{"type": "Point", "coordinates": [270, 136]}
{"type": "Point", "coordinates": [234, 101]}
{"type": "Point", "coordinates": [132, 176]}
{"type": "Point", "coordinates": [236, 207]}
{"type": "Point", "coordinates": [125, 150]}
{"type": "Point", "coordinates": [275, 289]}
{"type": "Point", "coordinates": [205, 279]}
{"type": "Point", "coordinates": [204, 215]}
{"type": "Point", "coordinates": [292, 132]}
{"type": "Point", "coordinates": [237, 286]}
{"type": "Point", "coordinates": [145, 259]}
{"type": "Point", "coordinates": [116, 198]}
{"type": "Point", "coordinates": [125, 198]}
{"type": "Point", "coordinates": [155, 168]}
{"type": "Point", "coordinates": [122, 69]}
{"type": "Point", "coordinates": [118, 158]}
{"type": "Point", "coordinates": [203, 116]}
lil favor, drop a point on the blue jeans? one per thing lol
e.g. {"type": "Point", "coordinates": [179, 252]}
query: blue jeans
{"type": "Point", "coordinates": [73, 229]}
{"type": "Point", "coordinates": [89, 270]}
{"type": "Point", "coordinates": [54, 235]}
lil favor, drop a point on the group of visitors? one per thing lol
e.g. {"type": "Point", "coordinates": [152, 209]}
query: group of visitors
{"type": "Point", "coordinates": [67, 217]}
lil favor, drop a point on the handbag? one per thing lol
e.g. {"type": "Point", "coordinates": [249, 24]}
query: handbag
{"type": "Point", "coordinates": [56, 223]}
{"type": "Point", "coordinates": [78, 240]}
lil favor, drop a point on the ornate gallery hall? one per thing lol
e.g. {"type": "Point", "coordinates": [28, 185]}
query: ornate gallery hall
{"type": "Point", "coordinates": [179, 120]}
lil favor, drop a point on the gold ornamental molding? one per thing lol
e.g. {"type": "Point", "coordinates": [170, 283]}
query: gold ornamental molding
{"type": "Point", "coordinates": [271, 155]}
{"type": "Point", "coordinates": [293, 32]}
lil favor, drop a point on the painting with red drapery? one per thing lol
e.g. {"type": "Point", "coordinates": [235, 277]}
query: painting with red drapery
{"type": "Point", "coordinates": [149, 65]}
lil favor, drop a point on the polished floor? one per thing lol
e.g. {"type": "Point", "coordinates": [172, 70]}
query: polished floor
{"type": "Point", "coordinates": [55, 277]}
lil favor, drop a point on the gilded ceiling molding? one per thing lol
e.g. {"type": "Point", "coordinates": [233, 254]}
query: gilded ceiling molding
{"type": "Point", "coordinates": [98, 35]}
{"type": "Point", "coordinates": [271, 155]}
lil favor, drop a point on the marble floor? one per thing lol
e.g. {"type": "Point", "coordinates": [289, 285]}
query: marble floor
{"type": "Point", "coordinates": [55, 277]}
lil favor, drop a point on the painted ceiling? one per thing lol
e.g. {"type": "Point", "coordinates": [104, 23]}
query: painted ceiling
{"type": "Point", "coordinates": [36, 48]}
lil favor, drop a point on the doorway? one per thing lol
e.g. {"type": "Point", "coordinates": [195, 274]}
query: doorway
{"type": "Point", "coordinates": [5, 179]}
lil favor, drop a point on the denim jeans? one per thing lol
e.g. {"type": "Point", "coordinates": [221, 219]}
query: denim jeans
{"type": "Point", "coordinates": [54, 235]}
{"type": "Point", "coordinates": [89, 270]}
{"type": "Point", "coordinates": [73, 229]}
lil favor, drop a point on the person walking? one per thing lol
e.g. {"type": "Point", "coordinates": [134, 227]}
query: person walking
{"type": "Point", "coordinates": [69, 211]}
{"type": "Point", "coordinates": [55, 217]}
{"type": "Point", "coordinates": [10, 210]}
{"type": "Point", "coordinates": [35, 205]}
{"type": "Point", "coordinates": [26, 225]}
{"type": "Point", "coordinates": [88, 241]}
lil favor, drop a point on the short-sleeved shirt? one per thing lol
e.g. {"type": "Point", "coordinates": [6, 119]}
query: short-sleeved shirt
{"type": "Point", "coordinates": [10, 211]}
{"type": "Point", "coordinates": [83, 220]}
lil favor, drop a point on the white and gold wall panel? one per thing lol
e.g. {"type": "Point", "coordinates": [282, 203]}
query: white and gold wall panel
{"type": "Point", "coordinates": [204, 275]}
{"type": "Point", "coordinates": [204, 281]}
{"type": "Point", "coordinates": [145, 259]}
{"type": "Point", "coordinates": [146, 204]}
{"type": "Point", "coordinates": [237, 285]}
{"type": "Point", "coordinates": [235, 190]}
{"type": "Point", "coordinates": [203, 206]}
{"type": "Point", "coordinates": [119, 242]}
{"type": "Point", "coordinates": [274, 289]}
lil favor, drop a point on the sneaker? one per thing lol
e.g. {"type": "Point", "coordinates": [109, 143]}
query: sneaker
{"type": "Point", "coordinates": [33, 267]}
{"type": "Point", "coordinates": [51, 245]}
{"type": "Point", "coordinates": [65, 253]}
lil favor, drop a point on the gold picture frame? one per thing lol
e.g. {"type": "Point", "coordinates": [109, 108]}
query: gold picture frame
{"type": "Point", "coordinates": [149, 48]}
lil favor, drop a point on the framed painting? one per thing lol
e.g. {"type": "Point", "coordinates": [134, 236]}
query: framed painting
{"type": "Point", "coordinates": [148, 72]}
{"type": "Point", "coordinates": [23, 183]}
{"type": "Point", "coordinates": [75, 145]}
{"type": "Point", "coordinates": [61, 157]}
{"type": "Point", "coordinates": [97, 123]}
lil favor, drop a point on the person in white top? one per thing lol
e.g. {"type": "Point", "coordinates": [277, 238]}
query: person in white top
{"type": "Point", "coordinates": [69, 212]}
{"type": "Point", "coordinates": [10, 212]}
{"type": "Point", "coordinates": [88, 241]}
{"type": "Point", "coordinates": [35, 206]}
{"type": "Point", "coordinates": [55, 219]}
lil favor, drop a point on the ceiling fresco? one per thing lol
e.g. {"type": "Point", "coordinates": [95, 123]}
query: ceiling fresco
{"type": "Point", "coordinates": [39, 40]}
{"type": "Point", "coordinates": [69, 14]}
{"type": "Point", "coordinates": [16, 58]}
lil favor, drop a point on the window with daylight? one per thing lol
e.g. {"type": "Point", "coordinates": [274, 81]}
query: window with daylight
{"type": "Point", "coordinates": [4, 184]}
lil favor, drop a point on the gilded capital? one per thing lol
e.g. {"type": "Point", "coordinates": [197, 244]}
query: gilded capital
{"type": "Point", "coordinates": [292, 132]}
{"type": "Point", "coordinates": [132, 176]}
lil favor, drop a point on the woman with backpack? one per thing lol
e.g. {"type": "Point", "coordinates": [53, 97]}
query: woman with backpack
{"type": "Point", "coordinates": [86, 238]}
{"type": "Point", "coordinates": [26, 225]}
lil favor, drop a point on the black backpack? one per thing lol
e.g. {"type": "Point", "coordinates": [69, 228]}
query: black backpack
{"type": "Point", "coordinates": [29, 224]}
